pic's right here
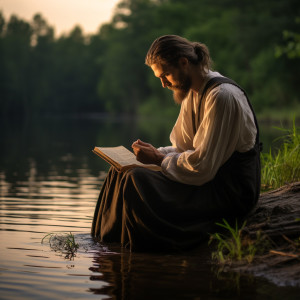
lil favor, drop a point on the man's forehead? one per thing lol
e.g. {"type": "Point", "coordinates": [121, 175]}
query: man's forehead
{"type": "Point", "coordinates": [159, 69]}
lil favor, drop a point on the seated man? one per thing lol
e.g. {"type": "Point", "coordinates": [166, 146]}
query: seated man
{"type": "Point", "coordinates": [211, 171]}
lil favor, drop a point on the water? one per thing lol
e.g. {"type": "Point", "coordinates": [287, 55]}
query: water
{"type": "Point", "coordinates": [49, 183]}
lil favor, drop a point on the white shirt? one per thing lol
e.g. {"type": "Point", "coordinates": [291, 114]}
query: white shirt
{"type": "Point", "coordinates": [226, 125]}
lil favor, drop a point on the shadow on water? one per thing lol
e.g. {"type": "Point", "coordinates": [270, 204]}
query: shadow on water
{"type": "Point", "coordinates": [49, 182]}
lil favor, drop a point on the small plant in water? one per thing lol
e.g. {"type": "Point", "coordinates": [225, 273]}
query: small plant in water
{"type": "Point", "coordinates": [65, 243]}
{"type": "Point", "coordinates": [234, 244]}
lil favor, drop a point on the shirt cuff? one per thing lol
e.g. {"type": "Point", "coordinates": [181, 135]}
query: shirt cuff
{"type": "Point", "coordinates": [167, 150]}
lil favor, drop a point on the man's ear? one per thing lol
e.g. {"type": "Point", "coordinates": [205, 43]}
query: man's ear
{"type": "Point", "coordinates": [183, 62]}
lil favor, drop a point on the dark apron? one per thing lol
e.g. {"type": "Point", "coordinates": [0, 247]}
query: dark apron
{"type": "Point", "coordinates": [145, 211]}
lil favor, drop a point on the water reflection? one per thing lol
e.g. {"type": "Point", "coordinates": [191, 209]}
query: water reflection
{"type": "Point", "coordinates": [153, 276]}
{"type": "Point", "coordinates": [176, 276]}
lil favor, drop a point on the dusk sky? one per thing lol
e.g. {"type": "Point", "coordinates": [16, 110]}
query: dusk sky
{"type": "Point", "coordinates": [63, 15]}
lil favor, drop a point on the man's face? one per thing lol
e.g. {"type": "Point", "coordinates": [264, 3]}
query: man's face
{"type": "Point", "coordinates": [175, 79]}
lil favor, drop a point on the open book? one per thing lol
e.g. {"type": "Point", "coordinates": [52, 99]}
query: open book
{"type": "Point", "coordinates": [121, 158]}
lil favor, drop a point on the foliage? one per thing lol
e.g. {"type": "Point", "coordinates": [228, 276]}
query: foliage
{"type": "Point", "coordinates": [254, 42]}
{"type": "Point", "coordinates": [234, 244]}
{"type": "Point", "coordinates": [282, 167]}
{"type": "Point", "coordinates": [64, 243]}
{"type": "Point", "coordinates": [292, 47]}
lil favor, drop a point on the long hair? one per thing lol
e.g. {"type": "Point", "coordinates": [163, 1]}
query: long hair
{"type": "Point", "coordinates": [168, 49]}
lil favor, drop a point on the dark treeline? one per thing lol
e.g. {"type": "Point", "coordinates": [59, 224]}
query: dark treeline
{"type": "Point", "coordinates": [255, 42]}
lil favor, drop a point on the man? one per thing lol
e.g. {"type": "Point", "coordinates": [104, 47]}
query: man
{"type": "Point", "coordinates": [211, 171]}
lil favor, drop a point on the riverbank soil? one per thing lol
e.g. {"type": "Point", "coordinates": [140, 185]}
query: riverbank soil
{"type": "Point", "coordinates": [278, 216]}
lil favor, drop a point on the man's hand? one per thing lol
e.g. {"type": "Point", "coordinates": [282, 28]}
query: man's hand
{"type": "Point", "coordinates": [146, 153]}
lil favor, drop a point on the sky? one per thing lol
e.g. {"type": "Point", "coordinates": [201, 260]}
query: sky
{"type": "Point", "coordinates": [63, 15]}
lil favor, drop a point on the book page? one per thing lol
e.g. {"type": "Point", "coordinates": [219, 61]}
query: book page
{"type": "Point", "coordinates": [120, 154]}
{"type": "Point", "coordinates": [122, 158]}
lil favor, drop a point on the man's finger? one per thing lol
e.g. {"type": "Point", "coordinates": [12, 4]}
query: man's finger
{"type": "Point", "coordinates": [137, 149]}
{"type": "Point", "coordinates": [144, 143]}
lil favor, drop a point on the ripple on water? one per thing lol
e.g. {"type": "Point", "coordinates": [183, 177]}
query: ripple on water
{"type": "Point", "coordinates": [30, 269]}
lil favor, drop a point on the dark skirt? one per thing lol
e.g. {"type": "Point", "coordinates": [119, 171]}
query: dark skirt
{"type": "Point", "coordinates": [144, 210]}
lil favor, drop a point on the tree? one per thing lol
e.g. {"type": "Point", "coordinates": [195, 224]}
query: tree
{"type": "Point", "coordinates": [105, 72]}
{"type": "Point", "coordinates": [16, 53]}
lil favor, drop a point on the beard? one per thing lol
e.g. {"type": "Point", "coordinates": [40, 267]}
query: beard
{"type": "Point", "coordinates": [181, 90]}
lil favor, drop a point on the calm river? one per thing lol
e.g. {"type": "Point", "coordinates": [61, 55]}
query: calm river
{"type": "Point", "coordinates": [49, 183]}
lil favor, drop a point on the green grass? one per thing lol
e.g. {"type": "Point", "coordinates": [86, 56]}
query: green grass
{"type": "Point", "coordinates": [282, 166]}
{"type": "Point", "coordinates": [235, 245]}
{"type": "Point", "coordinates": [64, 243]}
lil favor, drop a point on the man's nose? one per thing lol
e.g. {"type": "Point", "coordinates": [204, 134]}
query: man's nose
{"type": "Point", "coordinates": [165, 82]}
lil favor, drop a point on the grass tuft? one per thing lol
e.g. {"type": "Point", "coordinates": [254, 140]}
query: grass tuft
{"type": "Point", "coordinates": [235, 245]}
{"type": "Point", "coordinates": [64, 243]}
{"type": "Point", "coordinates": [283, 167]}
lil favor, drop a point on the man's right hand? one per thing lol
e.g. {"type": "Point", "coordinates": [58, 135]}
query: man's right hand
{"type": "Point", "coordinates": [146, 153]}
